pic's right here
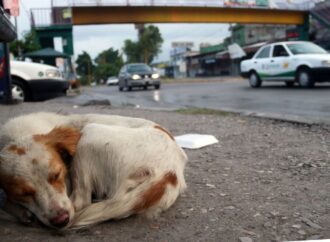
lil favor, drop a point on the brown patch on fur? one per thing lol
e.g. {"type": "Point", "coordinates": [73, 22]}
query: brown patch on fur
{"type": "Point", "coordinates": [56, 141]}
{"type": "Point", "coordinates": [61, 138]}
{"type": "Point", "coordinates": [34, 161]}
{"type": "Point", "coordinates": [165, 131]}
{"type": "Point", "coordinates": [17, 189]}
{"type": "Point", "coordinates": [155, 192]}
{"type": "Point", "coordinates": [57, 171]}
{"type": "Point", "coordinates": [17, 150]}
{"type": "Point", "coordinates": [171, 178]}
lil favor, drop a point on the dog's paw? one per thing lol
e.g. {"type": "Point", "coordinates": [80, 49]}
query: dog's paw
{"type": "Point", "coordinates": [21, 214]}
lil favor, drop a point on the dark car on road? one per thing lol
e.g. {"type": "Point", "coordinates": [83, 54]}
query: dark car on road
{"type": "Point", "coordinates": [137, 75]}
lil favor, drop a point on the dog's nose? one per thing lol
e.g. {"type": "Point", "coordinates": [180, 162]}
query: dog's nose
{"type": "Point", "coordinates": [61, 219]}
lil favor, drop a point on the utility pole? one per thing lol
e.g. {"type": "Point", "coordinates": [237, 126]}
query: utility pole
{"type": "Point", "coordinates": [140, 28]}
{"type": "Point", "coordinates": [89, 72]}
{"type": "Point", "coordinates": [232, 67]}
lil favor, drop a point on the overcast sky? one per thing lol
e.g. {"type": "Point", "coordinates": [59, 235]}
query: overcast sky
{"type": "Point", "coordinates": [96, 38]}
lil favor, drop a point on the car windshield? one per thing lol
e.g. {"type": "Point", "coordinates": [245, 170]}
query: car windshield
{"type": "Point", "coordinates": [305, 48]}
{"type": "Point", "coordinates": [138, 68]}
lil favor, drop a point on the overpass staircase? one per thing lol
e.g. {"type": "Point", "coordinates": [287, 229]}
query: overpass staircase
{"type": "Point", "coordinates": [321, 12]}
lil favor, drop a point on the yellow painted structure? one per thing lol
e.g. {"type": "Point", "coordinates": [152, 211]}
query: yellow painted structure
{"type": "Point", "coordinates": [151, 14]}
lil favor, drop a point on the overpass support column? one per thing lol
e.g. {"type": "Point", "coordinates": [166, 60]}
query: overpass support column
{"type": "Point", "coordinates": [303, 29]}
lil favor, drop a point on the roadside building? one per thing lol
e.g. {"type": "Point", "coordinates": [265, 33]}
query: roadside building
{"type": "Point", "coordinates": [178, 66]}
{"type": "Point", "coordinates": [220, 59]}
{"type": "Point", "coordinates": [255, 33]}
{"type": "Point", "coordinates": [320, 24]}
{"type": "Point", "coordinates": [211, 60]}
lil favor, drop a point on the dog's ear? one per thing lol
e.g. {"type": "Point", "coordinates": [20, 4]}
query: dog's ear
{"type": "Point", "coordinates": [63, 139]}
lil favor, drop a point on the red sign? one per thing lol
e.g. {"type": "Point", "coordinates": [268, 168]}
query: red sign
{"type": "Point", "coordinates": [12, 6]}
{"type": "Point", "coordinates": [2, 67]}
{"type": "Point", "coordinates": [292, 35]}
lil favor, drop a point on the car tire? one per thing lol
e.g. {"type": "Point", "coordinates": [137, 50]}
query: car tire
{"type": "Point", "coordinates": [289, 83]}
{"type": "Point", "coordinates": [120, 88]}
{"type": "Point", "coordinates": [145, 87]}
{"type": "Point", "coordinates": [20, 91]}
{"type": "Point", "coordinates": [129, 88]}
{"type": "Point", "coordinates": [304, 78]}
{"type": "Point", "coordinates": [254, 80]}
{"type": "Point", "coordinates": [157, 86]}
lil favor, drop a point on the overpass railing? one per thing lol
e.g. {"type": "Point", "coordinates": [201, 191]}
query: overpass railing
{"type": "Point", "coordinates": [302, 5]}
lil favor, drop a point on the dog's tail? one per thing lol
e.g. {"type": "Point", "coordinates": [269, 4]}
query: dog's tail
{"type": "Point", "coordinates": [102, 211]}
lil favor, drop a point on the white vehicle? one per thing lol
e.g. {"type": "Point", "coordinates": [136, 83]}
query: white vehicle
{"type": "Point", "coordinates": [112, 80]}
{"type": "Point", "coordinates": [33, 81]}
{"type": "Point", "coordinates": [291, 62]}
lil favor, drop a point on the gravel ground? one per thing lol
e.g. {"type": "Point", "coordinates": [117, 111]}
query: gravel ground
{"type": "Point", "coordinates": [264, 181]}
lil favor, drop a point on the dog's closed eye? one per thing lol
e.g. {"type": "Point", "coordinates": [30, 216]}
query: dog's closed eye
{"type": "Point", "coordinates": [54, 177]}
{"type": "Point", "coordinates": [28, 193]}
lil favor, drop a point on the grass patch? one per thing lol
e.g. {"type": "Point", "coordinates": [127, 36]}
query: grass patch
{"type": "Point", "coordinates": [203, 111]}
{"type": "Point", "coordinates": [169, 80]}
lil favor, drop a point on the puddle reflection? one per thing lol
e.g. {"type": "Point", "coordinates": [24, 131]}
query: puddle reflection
{"type": "Point", "coordinates": [156, 96]}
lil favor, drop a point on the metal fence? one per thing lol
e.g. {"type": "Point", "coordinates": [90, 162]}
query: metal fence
{"type": "Point", "coordinates": [277, 4]}
{"type": "Point", "coordinates": [42, 17]}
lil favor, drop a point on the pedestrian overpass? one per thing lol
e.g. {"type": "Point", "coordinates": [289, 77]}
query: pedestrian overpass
{"type": "Point", "coordinates": [86, 12]}
{"type": "Point", "coordinates": [63, 14]}
{"type": "Point", "coordinates": [89, 12]}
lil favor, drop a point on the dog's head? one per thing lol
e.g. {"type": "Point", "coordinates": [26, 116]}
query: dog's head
{"type": "Point", "coordinates": [33, 174]}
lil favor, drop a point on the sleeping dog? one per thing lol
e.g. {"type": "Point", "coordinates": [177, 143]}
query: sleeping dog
{"type": "Point", "coordinates": [133, 168]}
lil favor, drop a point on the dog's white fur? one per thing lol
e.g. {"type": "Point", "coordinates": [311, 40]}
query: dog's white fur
{"type": "Point", "coordinates": [44, 122]}
{"type": "Point", "coordinates": [124, 161]}
{"type": "Point", "coordinates": [130, 167]}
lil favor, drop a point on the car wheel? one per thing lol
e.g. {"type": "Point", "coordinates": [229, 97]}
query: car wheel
{"type": "Point", "coordinates": [129, 88]}
{"type": "Point", "coordinates": [120, 88]}
{"type": "Point", "coordinates": [289, 83]}
{"type": "Point", "coordinates": [157, 86]}
{"type": "Point", "coordinates": [304, 78]}
{"type": "Point", "coordinates": [20, 91]}
{"type": "Point", "coordinates": [254, 80]}
{"type": "Point", "coordinates": [145, 87]}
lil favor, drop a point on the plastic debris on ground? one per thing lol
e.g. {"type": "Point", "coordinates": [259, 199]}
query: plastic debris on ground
{"type": "Point", "coordinates": [195, 141]}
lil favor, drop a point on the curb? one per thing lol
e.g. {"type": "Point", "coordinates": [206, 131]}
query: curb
{"type": "Point", "coordinates": [278, 117]}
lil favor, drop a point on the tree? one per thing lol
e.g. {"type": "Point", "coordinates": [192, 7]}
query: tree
{"type": "Point", "coordinates": [132, 51]}
{"type": "Point", "coordinates": [84, 68]}
{"type": "Point", "coordinates": [28, 43]}
{"type": "Point", "coordinates": [150, 43]}
{"type": "Point", "coordinates": [146, 48]}
{"type": "Point", "coordinates": [108, 64]}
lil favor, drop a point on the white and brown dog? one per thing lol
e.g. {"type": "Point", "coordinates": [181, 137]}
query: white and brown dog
{"type": "Point", "coordinates": [128, 165]}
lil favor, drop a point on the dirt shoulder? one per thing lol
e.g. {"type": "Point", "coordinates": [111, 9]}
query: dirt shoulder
{"type": "Point", "coordinates": [265, 180]}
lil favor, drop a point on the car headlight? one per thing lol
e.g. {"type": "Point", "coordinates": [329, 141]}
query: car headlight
{"type": "Point", "coordinates": [325, 63]}
{"type": "Point", "coordinates": [53, 74]}
{"type": "Point", "coordinates": [155, 76]}
{"type": "Point", "coordinates": [136, 77]}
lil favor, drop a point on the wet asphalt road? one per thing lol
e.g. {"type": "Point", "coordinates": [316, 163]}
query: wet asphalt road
{"type": "Point", "coordinates": [276, 99]}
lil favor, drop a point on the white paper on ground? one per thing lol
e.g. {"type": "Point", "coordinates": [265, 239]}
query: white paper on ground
{"type": "Point", "coordinates": [195, 141]}
{"type": "Point", "coordinates": [322, 240]}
